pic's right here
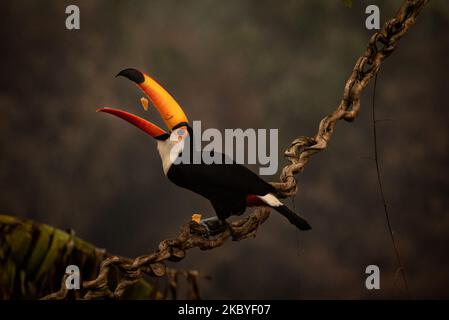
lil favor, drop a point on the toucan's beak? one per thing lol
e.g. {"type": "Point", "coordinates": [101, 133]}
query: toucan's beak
{"type": "Point", "coordinates": [146, 126]}
{"type": "Point", "coordinates": [168, 108]}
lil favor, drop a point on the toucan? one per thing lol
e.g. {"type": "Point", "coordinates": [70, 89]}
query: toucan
{"type": "Point", "coordinates": [230, 187]}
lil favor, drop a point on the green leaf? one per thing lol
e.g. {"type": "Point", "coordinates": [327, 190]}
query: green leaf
{"type": "Point", "coordinates": [33, 258]}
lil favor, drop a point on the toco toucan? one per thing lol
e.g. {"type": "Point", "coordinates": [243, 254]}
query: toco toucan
{"type": "Point", "coordinates": [230, 187]}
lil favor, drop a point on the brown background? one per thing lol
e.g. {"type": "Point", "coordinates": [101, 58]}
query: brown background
{"type": "Point", "coordinates": [248, 64]}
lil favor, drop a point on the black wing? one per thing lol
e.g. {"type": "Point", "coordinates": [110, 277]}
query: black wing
{"type": "Point", "coordinates": [207, 178]}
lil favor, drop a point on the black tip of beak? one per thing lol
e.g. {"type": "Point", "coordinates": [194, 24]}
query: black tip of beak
{"type": "Point", "coordinates": [133, 75]}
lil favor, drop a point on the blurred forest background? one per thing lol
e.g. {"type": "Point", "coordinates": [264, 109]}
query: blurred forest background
{"type": "Point", "coordinates": [247, 64]}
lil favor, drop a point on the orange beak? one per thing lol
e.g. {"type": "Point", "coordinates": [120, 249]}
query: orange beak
{"type": "Point", "coordinates": [165, 104]}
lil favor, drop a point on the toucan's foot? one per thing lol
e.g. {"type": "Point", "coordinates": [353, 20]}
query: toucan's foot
{"type": "Point", "coordinates": [211, 226]}
{"type": "Point", "coordinates": [210, 222]}
{"type": "Point", "coordinates": [214, 225]}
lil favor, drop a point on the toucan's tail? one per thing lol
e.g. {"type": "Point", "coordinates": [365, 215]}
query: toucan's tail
{"type": "Point", "coordinates": [294, 219]}
{"type": "Point", "coordinates": [271, 200]}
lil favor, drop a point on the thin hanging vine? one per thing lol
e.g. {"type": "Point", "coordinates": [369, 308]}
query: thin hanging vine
{"type": "Point", "coordinates": [400, 268]}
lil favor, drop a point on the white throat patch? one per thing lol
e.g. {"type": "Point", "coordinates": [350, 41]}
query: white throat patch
{"type": "Point", "coordinates": [170, 149]}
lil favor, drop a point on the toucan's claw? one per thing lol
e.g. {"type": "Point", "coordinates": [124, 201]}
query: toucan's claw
{"type": "Point", "coordinates": [210, 222]}
{"type": "Point", "coordinates": [208, 227]}
{"type": "Point", "coordinates": [213, 225]}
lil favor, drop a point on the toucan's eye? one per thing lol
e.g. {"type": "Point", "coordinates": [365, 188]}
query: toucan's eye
{"type": "Point", "coordinates": [181, 133]}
